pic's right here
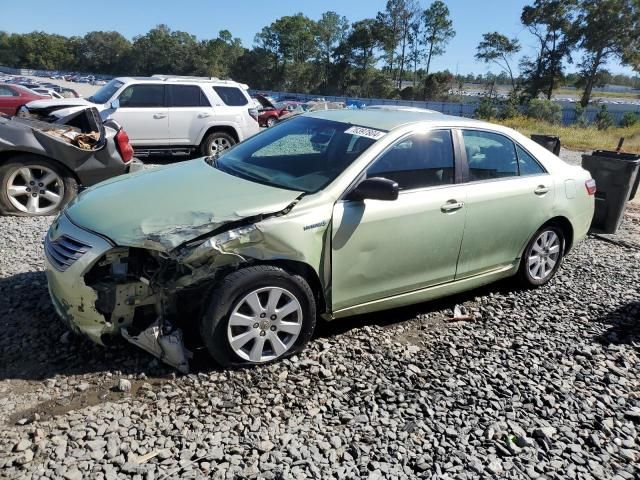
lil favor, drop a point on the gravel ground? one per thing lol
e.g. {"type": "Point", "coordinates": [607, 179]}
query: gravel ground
{"type": "Point", "coordinates": [543, 384]}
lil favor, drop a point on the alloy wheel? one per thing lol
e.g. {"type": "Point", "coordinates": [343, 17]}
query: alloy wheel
{"type": "Point", "coordinates": [544, 255]}
{"type": "Point", "coordinates": [219, 145]}
{"type": "Point", "coordinates": [35, 189]}
{"type": "Point", "coordinates": [264, 324]}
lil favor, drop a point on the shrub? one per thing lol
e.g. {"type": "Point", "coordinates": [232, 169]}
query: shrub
{"type": "Point", "coordinates": [581, 120]}
{"type": "Point", "coordinates": [486, 109]}
{"type": "Point", "coordinates": [509, 108]}
{"type": "Point", "coordinates": [604, 119]}
{"type": "Point", "coordinates": [629, 119]}
{"type": "Point", "coordinates": [408, 93]}
{"type": "Point", "coordinates": [436, 85]}
{"type": "Point", "coordinates": [545, 110]}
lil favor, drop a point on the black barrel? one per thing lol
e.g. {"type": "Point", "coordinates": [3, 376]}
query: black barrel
{"type": "Point", "coordinates": [616, 176]}
{"type": "Point", "coordinates": [549, 142]}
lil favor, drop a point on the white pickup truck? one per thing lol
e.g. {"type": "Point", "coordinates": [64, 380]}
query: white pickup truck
{"type": "Point", "coordinates": [168, 114]}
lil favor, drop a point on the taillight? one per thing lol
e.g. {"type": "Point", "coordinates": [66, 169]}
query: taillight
{"type": "Point", "coordinates": [124, 147]}
{"type": "Point", "coordinates": [591, 186]}
{"type": "Point", "coordinates": [254, 113]}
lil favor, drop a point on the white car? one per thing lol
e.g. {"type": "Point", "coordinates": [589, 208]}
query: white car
{"type": "Point", "coordinates": [47, 91]}
{"type": "Point", "coordinates": [168, 114]}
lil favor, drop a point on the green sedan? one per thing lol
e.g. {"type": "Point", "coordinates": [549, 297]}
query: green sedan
{"type": "Point", "coordinates": [329, 214]}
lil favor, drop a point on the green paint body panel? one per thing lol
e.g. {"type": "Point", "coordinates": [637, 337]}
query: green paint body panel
{"type": "Point", "coordinates": [367, 255]}
{"type": "Point", "coordinates": [384, 248]}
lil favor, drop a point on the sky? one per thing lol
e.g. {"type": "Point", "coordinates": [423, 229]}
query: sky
{"type": "Point", "coordinates": [244, 18]}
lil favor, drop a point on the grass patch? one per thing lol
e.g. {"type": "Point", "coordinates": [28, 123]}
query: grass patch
{"type": "Point", "coordinates": [596, 94]}
{"type": "Point", "coordinates": [579, 138]}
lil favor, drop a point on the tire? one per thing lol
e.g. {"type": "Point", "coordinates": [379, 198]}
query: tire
{"type": "Point", "coordinates": [546, 246]}
{"type": "Point", "coordinates": [20, 175]}
{"type": "Point", "coordinates": [215, 143]}
{"type": "Point", "coordinates": [250, 329]}
{"type": "Point", "coordinates": [271, 121]}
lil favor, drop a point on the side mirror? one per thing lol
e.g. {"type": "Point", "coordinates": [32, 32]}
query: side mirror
{"type": "Point", "coordinates": [375, 188]}
{"type": "Point", "coordinates": [115, 104]}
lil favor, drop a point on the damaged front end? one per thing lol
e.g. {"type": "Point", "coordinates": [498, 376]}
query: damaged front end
{"type": "Point", "coordinates": [151, 298]}
{"type": "Point", "coordinates": [148, 274]}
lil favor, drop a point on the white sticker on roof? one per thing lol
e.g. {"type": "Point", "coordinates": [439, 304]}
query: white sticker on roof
{"type": "Point", "coordinates": [365, 132]}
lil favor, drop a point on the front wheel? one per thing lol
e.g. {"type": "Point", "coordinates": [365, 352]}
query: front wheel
{"type": "Point", "coordinates": [31, 185]}
{"type": "Point", "coordinates": [542, 257]}
{"type": "Point", "coordinates": [216, 143]}
{"type": "Point", "coordinates": [258, 315]}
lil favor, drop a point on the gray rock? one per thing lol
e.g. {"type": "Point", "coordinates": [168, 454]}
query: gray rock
{"type": "Point", "coordinates": [123, 385]}
{"type": "Point", "coordinates": [22, 445]}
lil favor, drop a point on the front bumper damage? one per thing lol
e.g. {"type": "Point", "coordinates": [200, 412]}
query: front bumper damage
{"type": "Point", "coordinates": [102, 310]}
{"type": "Point", "coordinates": [145, 296]}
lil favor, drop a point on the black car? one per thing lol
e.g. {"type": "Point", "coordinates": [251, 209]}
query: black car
{"type": "Point", "coordinates": [42, 164]}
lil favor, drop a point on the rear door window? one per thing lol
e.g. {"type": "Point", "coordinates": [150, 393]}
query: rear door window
{"type": "Point", "coordinates": [187, 96]}
{"type": "Point", "coordinates": [490, 156]}
{"type": "Point", "coordinates": [527, 164]}
{"type": "Point", "coordinates": [142, 96]}
{"type": "Point", "coordinates": [231, 96]}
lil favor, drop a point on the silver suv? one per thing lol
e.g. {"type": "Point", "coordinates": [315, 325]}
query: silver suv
{"type": "Point", "coordinates": [169, 114]}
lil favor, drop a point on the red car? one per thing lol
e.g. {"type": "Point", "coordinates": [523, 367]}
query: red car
{"type": "Point", "coordinates": [271, 111]}
{"type": "Point", "coordinates": [12, 97]}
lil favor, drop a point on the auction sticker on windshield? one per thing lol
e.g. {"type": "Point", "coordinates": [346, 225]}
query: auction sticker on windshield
{"type": "Point", "coordinates": [365, 132]}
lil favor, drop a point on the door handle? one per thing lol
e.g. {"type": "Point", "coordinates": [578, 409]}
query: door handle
{"type": "Point", "coordinates": [541, 190]}
{"type": "Point", "coordinates": [451, 206]}
{"type": "Point", "coordinates": [159, 115]}
{"type": "Point", "coordinates": [203, 115]}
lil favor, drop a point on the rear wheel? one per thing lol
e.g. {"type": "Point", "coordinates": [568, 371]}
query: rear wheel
{"type": "Point", "coordinates": [34, 186]}
{"type": "Point", "coordinates": [258, 315]}
{"type": "Point", "coordinates": [216, 143]}
{"type": "Point", "coordinates": [271, 121]}
{"type": "Point", "coordinates": [542, 257]}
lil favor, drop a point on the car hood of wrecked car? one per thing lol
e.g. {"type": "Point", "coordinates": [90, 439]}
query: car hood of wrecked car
{"type": "Point", "coordinates": [164, 207]}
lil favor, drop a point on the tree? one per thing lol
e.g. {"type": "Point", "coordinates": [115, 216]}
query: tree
{"type": "Point", "coordinates": [41, 50]}
{"type": "Point", "coordinates": [103, 52]}
{"type": "Point", "coordinates": [631, 51]}
{"type": "Point", "coordinates": [162, 50]}
{"type": "Point", "coordinates": [331, 30]}
{"type": "Point", "coordinates": [388, 31]}
{"type": "Point", "coordinates": [550, 22]}
{"type": "Point", "coordinates": [362, 42]}
{"type": "Point", "coordinates": [291, 43]}
{"type": "Point", "coordinates": [6, 55]}
{"type": "Point", "coordinates": [254, 68]}
{"type": "Point", "coordinates": [415, 52]}
{"type": "Point", "coordinates": [605, 30]}
{"type": "Point", "coordinates": [498, 49]}
{"type": "Point", "coordinates": [220, 54]}
{"type": "Point", "coordinates": [407, 18]}
{"type": "Point", "coordinates": [437, 28]}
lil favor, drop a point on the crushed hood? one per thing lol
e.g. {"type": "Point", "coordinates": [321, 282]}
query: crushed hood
{"type": "Point", "coordinates": [165, 207]}
{"type": "Point", "coordinates": [59, 103]}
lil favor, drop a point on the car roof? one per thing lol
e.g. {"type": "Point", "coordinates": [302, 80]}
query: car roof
{"type": "Point", "coordinates": [386, 119]}
{"type": "Point", "coordinates": [181, 80]}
